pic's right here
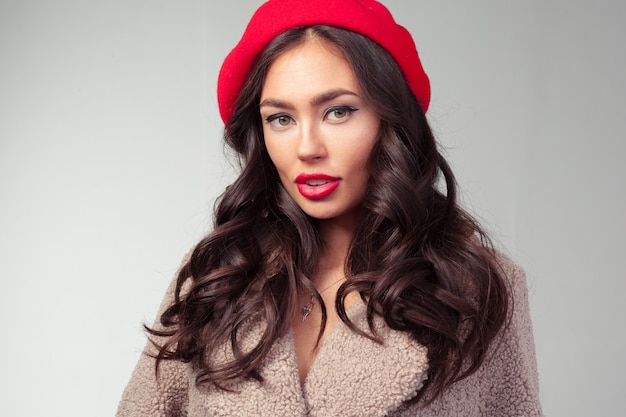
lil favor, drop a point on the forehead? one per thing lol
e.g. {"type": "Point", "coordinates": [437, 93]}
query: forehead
{"type": "Point", "coordinates": [309, 68]}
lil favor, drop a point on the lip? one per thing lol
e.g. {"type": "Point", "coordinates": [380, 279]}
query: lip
{"type": "Point", "coordinates": [316, 185]}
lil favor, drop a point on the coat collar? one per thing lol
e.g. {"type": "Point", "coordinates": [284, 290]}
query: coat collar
{"type": "Point", "coordinates": [351, 376]}
{"type": "Point", "coordinates": [355, 376]}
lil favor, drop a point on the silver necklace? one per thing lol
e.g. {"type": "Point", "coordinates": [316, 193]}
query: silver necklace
{"type": "Point", "coordinates": [308, 307]}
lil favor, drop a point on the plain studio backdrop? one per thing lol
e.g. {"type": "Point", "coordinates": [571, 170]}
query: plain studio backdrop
{"type": "Point", "coordinates": [111, 159]}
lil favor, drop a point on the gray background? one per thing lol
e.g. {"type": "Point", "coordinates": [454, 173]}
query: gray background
{"type": "Point", "coordinates": [110, 159]}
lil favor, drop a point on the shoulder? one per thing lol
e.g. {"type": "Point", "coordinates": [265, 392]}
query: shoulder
{"type": "Point", "coordinates": [509, 374]}
{"type": "Point", "coordinates": [514, 278]}
{"type": "Point", "coordinates": [507, 381]}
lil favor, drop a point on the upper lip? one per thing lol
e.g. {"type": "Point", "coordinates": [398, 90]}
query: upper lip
{"type": "Point", "coordinates": [307, 177]}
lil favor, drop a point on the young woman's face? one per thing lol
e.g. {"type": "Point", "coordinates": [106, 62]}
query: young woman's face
{"type": "Point", "coordinates": [319, 131]}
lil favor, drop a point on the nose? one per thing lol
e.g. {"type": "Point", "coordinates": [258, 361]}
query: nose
{"type": "Point", "coordinates": [312, 144]}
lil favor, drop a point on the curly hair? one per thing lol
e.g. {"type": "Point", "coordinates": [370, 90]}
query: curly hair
{"type": "Point", "coordinates": [417, 259]}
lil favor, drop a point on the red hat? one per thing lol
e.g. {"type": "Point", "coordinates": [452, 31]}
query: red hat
{"type": "Point", "coordinates": [367, 17]}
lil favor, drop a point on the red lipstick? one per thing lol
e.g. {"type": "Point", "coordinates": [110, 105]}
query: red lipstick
{"type": "Point", "coordinates": [315, 186]}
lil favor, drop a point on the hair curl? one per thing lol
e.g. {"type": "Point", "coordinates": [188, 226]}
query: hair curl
{"type": "Point", "coordinates": [417, 259]}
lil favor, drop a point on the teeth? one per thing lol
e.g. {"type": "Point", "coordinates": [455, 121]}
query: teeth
{"type": "Point", "coordinates": [314, 183]}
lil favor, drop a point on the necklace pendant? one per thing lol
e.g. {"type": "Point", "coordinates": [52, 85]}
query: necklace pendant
{"type": "Point", "coordinates": [306, 310]}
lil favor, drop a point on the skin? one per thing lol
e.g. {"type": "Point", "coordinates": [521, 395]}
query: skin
{"type": "Point", "coordinates": [315, 120]}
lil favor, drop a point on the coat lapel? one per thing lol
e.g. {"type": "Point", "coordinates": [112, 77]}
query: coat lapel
{"type": "Point", "coordinates": [355, 376]}
{"type": "Point", "coordinates": [280, 393]}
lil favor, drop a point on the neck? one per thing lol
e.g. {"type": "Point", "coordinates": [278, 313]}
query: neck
{"type": "Point", "coordinates": [337, 237]}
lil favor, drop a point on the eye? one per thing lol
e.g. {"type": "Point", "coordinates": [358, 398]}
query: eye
{"type": "Point", "coordinates": [279, 120]}
{"type": "Point", "coordinates": [339, 113]}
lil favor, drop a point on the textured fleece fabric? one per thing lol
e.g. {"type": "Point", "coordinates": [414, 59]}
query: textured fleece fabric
{"type": "Point", "coordinates": [351, 376]}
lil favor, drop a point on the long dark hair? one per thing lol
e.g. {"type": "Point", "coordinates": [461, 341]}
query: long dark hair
{"type": "Point", "coordinates": [417, 259]}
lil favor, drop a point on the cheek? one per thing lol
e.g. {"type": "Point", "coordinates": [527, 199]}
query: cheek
{"type": "Point", "coordinates": [360, 153]}
{"type": "Point", "coordinates": [273, 150]}
{"type": "Point", "coordinates": [278, 154]}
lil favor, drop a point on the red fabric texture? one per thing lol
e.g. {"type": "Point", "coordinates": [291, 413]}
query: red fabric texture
{"type": "Point", "coordinates": [367, 17]}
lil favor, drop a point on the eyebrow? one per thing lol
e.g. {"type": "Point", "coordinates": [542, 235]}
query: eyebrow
{"type": "Point", "coordinates": [315, 101]}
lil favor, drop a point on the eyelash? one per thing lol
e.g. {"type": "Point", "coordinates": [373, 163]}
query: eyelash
{"type": "Point", "coordinates": [271, 119]}
{"type": "Point", "coordinates": [347, 109]}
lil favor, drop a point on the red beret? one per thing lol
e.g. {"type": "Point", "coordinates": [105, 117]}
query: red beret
{"type": "Point", "coordinates": [367, 17]}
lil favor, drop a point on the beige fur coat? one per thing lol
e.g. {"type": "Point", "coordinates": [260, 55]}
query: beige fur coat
{"type": "Point", "coordinates": [351, 376]}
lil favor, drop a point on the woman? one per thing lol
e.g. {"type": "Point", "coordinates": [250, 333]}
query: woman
{"type": "Point", "coordinates": [341, 278]}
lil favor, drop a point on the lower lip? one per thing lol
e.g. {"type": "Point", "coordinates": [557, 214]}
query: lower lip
{"type": "Point", "coordinates": [315, 192]}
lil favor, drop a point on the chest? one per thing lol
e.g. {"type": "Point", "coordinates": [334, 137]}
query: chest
{"type": "Point", "coordinates": [374, 379]}
{"type": "Point", "coordinates": [310, 330]}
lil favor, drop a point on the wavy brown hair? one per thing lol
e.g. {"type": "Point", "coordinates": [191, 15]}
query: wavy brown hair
{"type": "Point", "coordinates": [417, 259]}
